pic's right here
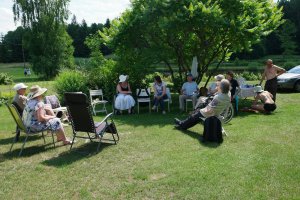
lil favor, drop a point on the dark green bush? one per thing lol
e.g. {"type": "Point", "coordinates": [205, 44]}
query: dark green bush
{"type": "Point", "coordinates": [5, 79]}
{"type": "Point", "coordinates": [289, 65]}
{"type": "Point", "coordinates": [71, 81]}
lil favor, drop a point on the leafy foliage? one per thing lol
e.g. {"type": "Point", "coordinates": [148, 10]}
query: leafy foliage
{"type": "Point", "coordinates": [164, 31]}
{"type": "Point", "coordinates": [5, 79]}
{"type": "Point", "coordinates": [71, 81]}
{"type": "Point", "coordinates": [48, 42]}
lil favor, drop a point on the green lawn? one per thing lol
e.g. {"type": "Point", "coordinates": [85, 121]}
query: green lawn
{"type": "Point", "coordinates": [259, 159]}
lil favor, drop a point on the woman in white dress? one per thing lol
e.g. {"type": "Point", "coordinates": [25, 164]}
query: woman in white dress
{"type": "Point", "coordinates": [124, 100]}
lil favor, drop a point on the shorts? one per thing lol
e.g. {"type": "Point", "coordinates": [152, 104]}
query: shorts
{"type": "Point", "coordinates": [269, 107]}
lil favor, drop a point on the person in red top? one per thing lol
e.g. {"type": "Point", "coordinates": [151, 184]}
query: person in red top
{"type": "Point", "coordinates": [271, 73]}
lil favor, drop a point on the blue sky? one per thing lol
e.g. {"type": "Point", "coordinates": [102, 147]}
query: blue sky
{"type": "Point", "coordinates": [93, 11]}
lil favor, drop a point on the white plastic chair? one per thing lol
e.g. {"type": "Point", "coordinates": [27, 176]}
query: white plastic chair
{"type": "Point", "coordinates": [143, 96]}
{"type": "Point", "coordinates": [96, 97]}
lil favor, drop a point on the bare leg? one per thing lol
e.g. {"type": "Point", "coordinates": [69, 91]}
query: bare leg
{"type": "Point", "coordinates": [61, 136]}
{"type": "Point", "coordinates": [259, 107]}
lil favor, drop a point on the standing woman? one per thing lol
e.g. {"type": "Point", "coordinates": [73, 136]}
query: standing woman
{"type": "Point", "coordinates": [37, 116]}
{"type": "Point", "coordinates": [159, 88]}
{"type": "Point", "coordinates": [124, 100]}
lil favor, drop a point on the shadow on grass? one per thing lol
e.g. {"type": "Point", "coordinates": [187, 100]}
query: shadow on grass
{"type": "Point", "coordinates": [76, 154]}
{"type": "Point", "coordinates": [27, 151]}
{"type": "Point", "coordinates": [10, 140]}
{"type": "Point", "coordinates": [200, 139]}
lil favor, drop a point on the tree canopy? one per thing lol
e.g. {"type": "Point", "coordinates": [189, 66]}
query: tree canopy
{"type": "Point", "coordinates": [156, 31]}
{"type": "Point", "coordinates": [49, 45]}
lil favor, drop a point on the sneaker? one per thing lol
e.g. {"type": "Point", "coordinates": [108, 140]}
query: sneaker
{"type": "Point", "coordinates": [163, 112]}
{"type": "Point", "coordinates": [177, 121]}
{"type": "Point", "coordinates": [154, 107]}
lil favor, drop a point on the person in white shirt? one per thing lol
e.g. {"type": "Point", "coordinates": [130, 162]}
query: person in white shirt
{"type": "Point", "coordinates": [219, 103]}
{"type": "Point", "coordinates": [189, 90]}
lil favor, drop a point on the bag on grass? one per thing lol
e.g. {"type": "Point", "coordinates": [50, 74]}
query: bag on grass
{"type": "Point", "coordinates": [212, 130]}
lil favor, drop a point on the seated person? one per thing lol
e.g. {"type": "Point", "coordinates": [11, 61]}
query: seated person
{"type": "Point", "coordinates": [159, 88]}
{"type": "Point", "coordinates": [20, 99]}
{"type": "Point", "coordinates": [124, 100]}
{"type": "Point", "coordinates": [219, 103]}
{"type": "Point", "coordinates": [268, 105]}
{"type": "Point", "coordinates": [233, 82]}
{"type": "Point", "coordinates": [189, 90]}
{"type": "Point", "coordinates": [213, 87]}
{"type": "Point", "coordinates": [37, 116]}
{"type": "Point", "coordinates": [212, 90]}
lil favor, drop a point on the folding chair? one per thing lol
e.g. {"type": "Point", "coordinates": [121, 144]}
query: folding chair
{"type": "Point", "coordinates": [96, 97]}
{"type": "Point", "coordinates": [56, 107]}
{"type": "Point", "coordinates": [186, 104]}
{"type": "Point", "coordinates": [14, 113]}
{"type": "Point", "coordinates": [143, 96]}
{"type": "Point", "coordinates": [82, 120]}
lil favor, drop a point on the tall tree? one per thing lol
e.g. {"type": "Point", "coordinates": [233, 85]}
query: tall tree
{"type": "Point", "coordinates": [287, 36]}
{"type": "Point", "coordinates": [163, 31]}
{"type": "Point", "coordinates": [49, 44]}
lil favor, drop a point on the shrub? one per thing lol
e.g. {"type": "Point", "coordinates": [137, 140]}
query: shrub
{"type": "Point", "coordinates": [6, 97]}
{"type": "Point", "coordinates": [289, 65]}
{"type": "Point", "coordinates": [106, 77]}
{"type": "Point", "coordinates": [70, 81]}
{"type": "Point", "coordinates": [250, 76]}
{"type": "Point", "coordinates": [5, 79]}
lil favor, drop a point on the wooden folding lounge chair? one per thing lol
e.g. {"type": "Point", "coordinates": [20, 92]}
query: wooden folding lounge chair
{"type": "Point", "coordinates": [21, 127]}
{"type": "Point", "coordinates": [80, 114]}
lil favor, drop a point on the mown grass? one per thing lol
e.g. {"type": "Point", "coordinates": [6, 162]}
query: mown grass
{"type": "Point", "coordinates": [259, 159]}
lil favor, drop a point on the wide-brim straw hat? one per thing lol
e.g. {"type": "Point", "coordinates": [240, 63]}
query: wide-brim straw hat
{"type": "Point", "coordinates": [219, 77]}
{"type": "Point", "coordinates": [122, 78]}
{"type": "Point", "coordinates": [258, 89]}
{"type": "Point", "coordinates": [36, 91]}
{"type": "Point", "coordinates": [20, 86]}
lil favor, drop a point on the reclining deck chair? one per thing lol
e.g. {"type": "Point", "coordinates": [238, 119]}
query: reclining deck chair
{"type": "Point", "coordinates": [21, 127]}
{"type": "Point", "coordinates": [80, 114]}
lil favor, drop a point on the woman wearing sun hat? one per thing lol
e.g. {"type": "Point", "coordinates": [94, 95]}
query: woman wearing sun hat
{"type": "Point", "coordinates": [266, 98]}
{"type": "Point", "coordinates": [124, 100]}
{"type": "Point", "coordinates": [37, 116]}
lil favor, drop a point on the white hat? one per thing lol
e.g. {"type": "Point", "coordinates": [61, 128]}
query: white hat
{"type": "Point", "coordinates": [258, 89]}
{"type": "Point", "coordinates": [37, 91]}
{"type": "Point", "coordinates": [122, 78]}
{"type": "Point", "coordinates": [219, 77]}
{"type": "Point", "coordinates": [20, 86]}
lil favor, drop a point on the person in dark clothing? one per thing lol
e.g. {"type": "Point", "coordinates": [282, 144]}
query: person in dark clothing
{"type": "Point", "coordinates": [219, 103]}
{"type": "Point", "coordinates": [233, 82]}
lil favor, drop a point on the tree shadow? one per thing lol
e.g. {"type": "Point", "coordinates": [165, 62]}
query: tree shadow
{"type": "Point", "coordinates": [75, 154]}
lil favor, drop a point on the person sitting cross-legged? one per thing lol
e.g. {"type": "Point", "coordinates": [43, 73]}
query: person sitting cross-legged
{"type": "Point", "coordinates": [268, 105]}
{"type": "Point", "coordinates": [219, 103]}
{"type": "Point", "coordinates": [188, 91]}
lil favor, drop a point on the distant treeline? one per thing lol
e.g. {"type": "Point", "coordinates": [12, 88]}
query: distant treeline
{"type": "Point", "coordinates": [286, 40]}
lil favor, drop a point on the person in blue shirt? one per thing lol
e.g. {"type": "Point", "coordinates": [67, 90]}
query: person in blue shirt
{"type": "Point", "coordinates": [189, 90]}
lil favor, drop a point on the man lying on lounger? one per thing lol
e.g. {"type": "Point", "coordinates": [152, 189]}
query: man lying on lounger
{"type": "Point", "coordinates": [219, 103]}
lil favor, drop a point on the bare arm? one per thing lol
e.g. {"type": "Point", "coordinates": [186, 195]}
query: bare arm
{"type": "Point", "coordinates": [279, 70]}
{"type": "Point", "coordinates": [42, 117]}
{"type": "Point", "coordinates": [263, 76]}
{"type": "Point", "coordinates": [121, 91]}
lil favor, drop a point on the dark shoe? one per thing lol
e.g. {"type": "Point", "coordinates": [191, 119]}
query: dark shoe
{"type": "Point", "coordinates": [178, 127]}
{"type": "Point", "coordinates": [177, 121]}
{"type": "Point", "coordinates": [59, 114]}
